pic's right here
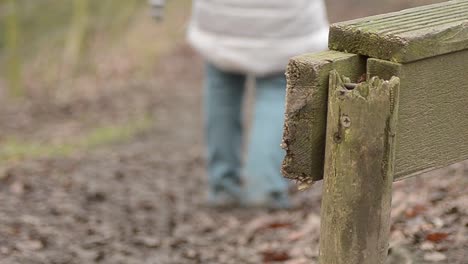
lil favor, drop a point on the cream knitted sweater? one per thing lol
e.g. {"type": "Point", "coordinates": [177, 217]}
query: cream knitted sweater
{"type": "Point", "coordinates": [255, 36]}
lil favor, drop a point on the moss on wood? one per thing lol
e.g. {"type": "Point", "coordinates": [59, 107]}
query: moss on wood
{"type": "Point", "coordinates": [359, 166]}
{"type": "Point", "coordinates": [407, 35]}
{"type": "Point", "coordinates": [306, 110]}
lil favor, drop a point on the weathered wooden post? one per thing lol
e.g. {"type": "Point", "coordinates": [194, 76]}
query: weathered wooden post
{"type": "Point", "coordinates": [359, 163]}
{"type": "Point", "coordinates": [402, 111]}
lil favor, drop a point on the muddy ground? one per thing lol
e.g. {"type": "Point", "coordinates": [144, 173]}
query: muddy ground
{"type": "Point", "coordinates": [141, 200]}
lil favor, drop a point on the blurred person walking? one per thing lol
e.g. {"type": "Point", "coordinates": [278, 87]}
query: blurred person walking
{"type": "Point", "coordinates": [237, 38]}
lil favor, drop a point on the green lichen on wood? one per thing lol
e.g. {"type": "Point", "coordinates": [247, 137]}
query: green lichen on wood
{"type": "Point", "coordinates": [359, 166]}
{"type": "Point", "coordinates": [407, 35]}
{"type": "Point", "coordinates": [348, 39]}
{"type": "Point", "coordinates": [432, 116]}
{"type": "Point", "coordinates": [383, 69]}
{"type": "Point", "coordinates": [306, 111]}
{"type": "Point", "coordinates": [433, 105]}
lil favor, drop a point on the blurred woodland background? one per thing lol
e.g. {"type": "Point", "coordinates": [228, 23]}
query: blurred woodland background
{"type": "Point", "coordinates": [57, 56]}
{"type": "Point", "coordinates": [101, 155]}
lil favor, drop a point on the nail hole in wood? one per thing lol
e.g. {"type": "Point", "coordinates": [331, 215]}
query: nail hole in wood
{"type": "Point", "coordinates": [350, 86]}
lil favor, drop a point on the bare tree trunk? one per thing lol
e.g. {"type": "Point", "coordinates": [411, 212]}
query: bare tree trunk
{"type": "Point", "coordinates": [77, 33]}
{"type": "Point", "coordinates": [12, 50]}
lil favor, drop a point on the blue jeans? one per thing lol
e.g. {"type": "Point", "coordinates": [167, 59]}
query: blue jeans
{"type": "Point", "coordinates": [260, 178]}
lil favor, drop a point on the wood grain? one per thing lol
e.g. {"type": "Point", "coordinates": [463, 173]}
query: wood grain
{"type": "Point", "coordinates": [306, 110]}
{"type": "Point", "coordinates": [407, 35]}
{"type": "Point", "coordinates": [360, 148]}
{"type": "Point", "coordinates": [433, 117]}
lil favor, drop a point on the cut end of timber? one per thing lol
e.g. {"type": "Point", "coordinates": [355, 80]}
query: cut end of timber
{"type": "Point", "coordinates": [306, 111]}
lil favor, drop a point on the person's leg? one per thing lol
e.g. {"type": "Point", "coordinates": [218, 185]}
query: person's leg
{"type": "Point", "coordinates": [223, 132]}
{"type": "Point", "coordinates": [264, 182]}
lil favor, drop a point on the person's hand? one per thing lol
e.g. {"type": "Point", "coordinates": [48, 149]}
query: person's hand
{"type": "Point", "coordinates": [157, 9]}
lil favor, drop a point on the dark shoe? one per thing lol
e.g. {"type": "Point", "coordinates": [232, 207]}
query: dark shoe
{"type": "Point", "coordinates": [273, 200]}
{"type": "Point", "coordinates": [228, 193]}
{"type": "Point", "coordinates": [222, 199]}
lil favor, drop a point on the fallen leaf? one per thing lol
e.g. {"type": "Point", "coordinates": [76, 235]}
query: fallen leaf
{"type": "Point", "coordinates": [265, 223]}
{"type": "Point", "coordinates": [32, 245]}
{"type": "Point", "coordinates": [273, 255]}
{"type": "Point", "coordinates": [275, 225]}
{"type": "Point", "coordinates": [427, 246]}
{"type": "Point", "coordinates": [434, 257]}
{"type": "Point", "coordinates": [149, 242]}
{"type": "Point", "coordinates": [17, 188]}
{"type": "Point", "coordinates": [312, 225]}
{"type": "Point", "coordinates": [5, 250]}
{"type": "Point", "coordinates": [436, 237]}
{"type": "Point", "coordinates": [191, 254]}
{"type": "Point", "coordinates": [295, 236]}
{"type": "Point", "coordinates": [415, 211]}
{"type": "Point", "coordinates": [298, 261]}
{"type": "Point", "coordinates": [438, 222]}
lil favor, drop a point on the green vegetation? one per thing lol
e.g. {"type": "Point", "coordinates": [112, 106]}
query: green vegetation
{"type": "Point", "coordinates": [12, 48]}
{"type": "Point", "coordinates": [55, 51]}
{"type": "Point", "coordinates": [16, 149]}
{"type": "Point", "coordinates": [47, 22]}
{"type": "Point", "coordinates": [77, 32]}
{"type": "Point", "coordinates": [59, 32]}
